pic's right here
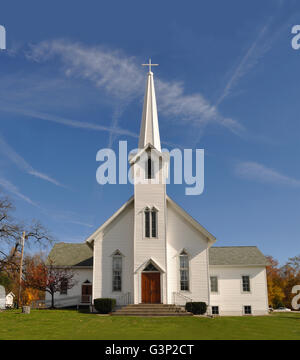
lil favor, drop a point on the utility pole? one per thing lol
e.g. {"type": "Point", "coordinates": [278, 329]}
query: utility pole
{"type": "Point", "coordinates": [21, 267]}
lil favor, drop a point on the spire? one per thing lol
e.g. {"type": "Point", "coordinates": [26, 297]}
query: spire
{"type": "Point", "coordinates": [149, 127]}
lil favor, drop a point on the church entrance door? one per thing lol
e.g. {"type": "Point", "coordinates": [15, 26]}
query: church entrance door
{"type": "Point", "coordinates": [151, 288]}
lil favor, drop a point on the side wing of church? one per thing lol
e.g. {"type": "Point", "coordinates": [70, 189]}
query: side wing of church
{"type": "Point", "coordinates": [152, 251]}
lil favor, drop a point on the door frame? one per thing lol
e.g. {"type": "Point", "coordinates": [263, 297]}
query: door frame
{"type": "Point", "coordinates": [160, 287]}
{"type": "Point", "coordinates": [91, 295]}
{"type": "Point", "coordinates": [138, 282]}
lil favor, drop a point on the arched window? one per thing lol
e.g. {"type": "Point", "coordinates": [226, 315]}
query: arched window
{"type": "Point", "coordinates": [147, 223]}
{"type": "Point", "coordinates": [154, 222]}
{"type": "Point", "coordinates": [117, 271]}
{"type": "Point", "coordinates": [149, 169]}
{"type": "Point", "coordinates": [184, 271]}
{"type": "Point", "coordinates": [150, 222]}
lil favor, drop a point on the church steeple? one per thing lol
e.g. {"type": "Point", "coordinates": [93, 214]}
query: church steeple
{"type": "Point", "coordinates": [149, 127]}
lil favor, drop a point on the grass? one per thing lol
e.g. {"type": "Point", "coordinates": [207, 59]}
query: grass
{"type": "Point", "coordinates": [70, 324]}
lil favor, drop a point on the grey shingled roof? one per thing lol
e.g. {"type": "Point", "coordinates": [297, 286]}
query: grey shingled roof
{"type": "Point", "coordinates": [68, 254]}
{"type": "Point", "coordinates": [236, 255]}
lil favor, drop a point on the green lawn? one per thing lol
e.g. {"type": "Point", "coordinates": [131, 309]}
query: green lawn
{"type": "Point", "coordinates": [70, 324]}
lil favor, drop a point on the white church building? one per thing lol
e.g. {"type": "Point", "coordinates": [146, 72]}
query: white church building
{"type": "Point", "coordinates": [152, 251]}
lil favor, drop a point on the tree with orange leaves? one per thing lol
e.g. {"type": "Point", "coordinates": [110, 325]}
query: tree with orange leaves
{"type": "Point", "coordinates": [281, 281]}
{"type": "Point", "coordinates": [275, 286]}
{"type": "Point", "coordinates": [48, 278]}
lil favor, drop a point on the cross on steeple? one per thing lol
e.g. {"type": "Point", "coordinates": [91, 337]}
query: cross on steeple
{"type": "Point", "coordinates": [150, 64]}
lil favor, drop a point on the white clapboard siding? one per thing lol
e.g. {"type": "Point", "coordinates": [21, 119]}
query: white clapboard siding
{"type": "Point", "coordinates": [80, 276]}
{"type": "Point", "coordinates": [181, 235]}
{"type": "Point", "coordinates": [118, 235]}
{"type": "Point", "coordinates": [230, 297]}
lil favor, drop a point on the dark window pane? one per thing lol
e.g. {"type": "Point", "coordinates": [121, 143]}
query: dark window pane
{"type": "Point", "coordinates": [154, 216]}
{"type": "Point", "coordinates": [246, 283]}
{"type": "Point", "coordinates": [147, 223]}
{"type": "Point", "coordinates": [215, 310]}
{"type": "Point", "coordinates": [247, 310]}
{"type": "Point", "coordinates": [150, 267]}
{"type": "Point", "coordinates": [149, 169]}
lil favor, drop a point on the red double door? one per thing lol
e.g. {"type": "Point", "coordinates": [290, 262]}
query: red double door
{"type": "Point", "coordinates": [151, 288]}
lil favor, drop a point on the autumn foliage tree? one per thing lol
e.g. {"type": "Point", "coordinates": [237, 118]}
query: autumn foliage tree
{"type": "Point", "coordinates": [275, 286]}
{"type": "Point", "coordinates": [281, 281]}
{"type": "Point", "coordinates": [49, 278]}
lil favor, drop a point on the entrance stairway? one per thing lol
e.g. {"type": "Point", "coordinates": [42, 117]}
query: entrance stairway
{"type": "Point", "coordinates": [151, 310]}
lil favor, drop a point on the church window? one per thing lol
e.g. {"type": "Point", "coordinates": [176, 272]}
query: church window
{"type": "Point", "coordinates": [64, 287]}
{"type": "Point", "coordinates": [154, 223]}
{"type": "Point", "coordinates": [184, 271]}
{"type": "Point", "coordinates": [247, 310]}
{"type": "Point", "coordinates": [147, 223]}
{"type": "Point", "coordinates": [150, 267]}
{"type": "Point", "coordinates": [214, 284]}
{"type": "Point", "coordinates": [117, 272]}
{"type": "Point", "coordinates": [149, 169]}
{"type": "Point", "coordinates": [215, 310]}
{"type": "Point", "coordinates": [246, 283]}
{"type": "Point", "coordinates": [150, 223]}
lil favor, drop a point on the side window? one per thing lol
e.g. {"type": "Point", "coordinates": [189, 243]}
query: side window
{"type": "Point", "coordinates": [64, 287]}
{"type": "Point", "coordinates": [247, 310]}
{"type": "Point", "coordinates": [215, 310]}
{"type": "Point", "coordinates": [184, 271]}
{"type": "Point", "coordinates": [117, 272]}
{"type": "Point", "coordinates": [214, 284]}
{"type": "Point", "coordinates": [246, 283]}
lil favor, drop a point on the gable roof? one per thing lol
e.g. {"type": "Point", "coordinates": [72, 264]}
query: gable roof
{"type": "Point", "coordinates": [211, 239]}
{"type": "Point", "coordinates": [70, 254]}
{"type": "Point", "coordinates": [80, 255]}
{"type": "Point", "coordinates": [236, 255]}
{"type": "Point", "coordinates": [91, 238]}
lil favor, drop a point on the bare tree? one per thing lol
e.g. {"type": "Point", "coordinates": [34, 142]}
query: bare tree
{"type": "Point", "coordinates": [11, 232]}
{"type": "Point", "coordinates": [49, 278]}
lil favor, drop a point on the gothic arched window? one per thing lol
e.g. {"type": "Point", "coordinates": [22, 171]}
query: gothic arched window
{"type": "Point", "coordinates": [117, 271]}
{"type": "Point", "coordinates": [150, 217]}
{"type": "Point", "coordinates": [184, 271]}
{"type": "Point", "coordinates": [149, 169]}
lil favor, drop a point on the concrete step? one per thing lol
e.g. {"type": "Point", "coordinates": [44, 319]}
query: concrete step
{"type": "Point", "coordinates": [151, 307]}
{"type": "Point", "coordinates": [151, 310]}
{"type": "Point", "coordinates": [160, 313]}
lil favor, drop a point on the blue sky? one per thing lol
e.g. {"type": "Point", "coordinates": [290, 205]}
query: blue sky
{"type": "Point", "coordinates": [71, 83]}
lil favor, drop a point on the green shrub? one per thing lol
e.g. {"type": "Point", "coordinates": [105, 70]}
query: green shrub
{"type": "Point", "coordinates": [198, 308]}
{"type": "Point", "coordinates": [104, 305]}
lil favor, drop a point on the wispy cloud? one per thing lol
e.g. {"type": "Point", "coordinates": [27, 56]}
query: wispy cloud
{"type": "Point", "coordinates": [258, 172]}
{"type": "Point", "coordinates": [58, 215]}
{"type": "Point", "coordinates": [122, 77]}
{"type": "Point", "coordinates": [11, 188]}
{"type": "Point", "coordinates": [248, 61]}
{"type": "Point", "coordinates": [69, 217]}
{"type": "Point", "coordinates": [260, 46]}
{"type": "Point", "coordinates": [68, 122]}
{"type": "Point", "coordinates": [8, 151]}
